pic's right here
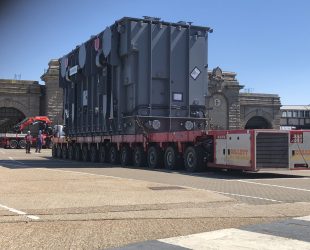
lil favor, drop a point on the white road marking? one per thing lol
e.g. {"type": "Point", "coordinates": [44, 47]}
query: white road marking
{"type": "Point", "coordinates": [235, 239]}
{"type": "Point", "coordinates": [33, 217]}
{"type": "Point", "coordinates": [247, 196]}
{"type": "Point", "coordinates": [294, 177]}
{"type": "Point", "coordinates": [160, 183]}
{"type": "Point", "coordinates": [272, 185]}
{"type": "Point", "coordinates": [85, 173]}
{"type": "Point", "coordinates": [306, 218]}
{"type": "Point", "coordinates": [119, 178]}
{"type": "Point", "coordinates": [12, 159]}
{"type": "Point", "coordinates": [13, 210]}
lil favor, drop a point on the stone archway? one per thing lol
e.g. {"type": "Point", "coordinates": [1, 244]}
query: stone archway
{"type": "Point", "coordinates": [258, 122]}
{"type": "Point", "coordinates": [13, 102]}
{"type": "Point", "coordinates": [9, 117]}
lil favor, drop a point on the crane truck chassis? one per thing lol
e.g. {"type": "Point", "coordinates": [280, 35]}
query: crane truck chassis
{"type": "Point", "coordinates": [12, 140]}
{"type": "Point", "coordinates": [17, 139]}
{"type": "Point", "coordinates": [248, 150]}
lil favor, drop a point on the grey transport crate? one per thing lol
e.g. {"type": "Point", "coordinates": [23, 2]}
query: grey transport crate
{"type": "Point", "coordinates": [137, 75]}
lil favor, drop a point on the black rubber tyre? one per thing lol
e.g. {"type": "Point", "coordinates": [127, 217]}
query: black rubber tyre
{"type": "Point", "coordinates": [64, 152]}
{"type": "Point", "coordinates": [13, 144]}
{"type": "Point", "coordinates": [125, 156]}
{"type": "Point", "coordinates": [139, 157]}
{"type": "Point", "coordinates": [102, 154]}
{"type": "Point", "coordinates": [85, 153]}
{"type": "Point", "coordinates": [54, 151]}
{"type": "Point", "coordinates": [59, 151]}
{"type": "Point", "coordinates": [93, 153]}
{"type": "Point", "coordinates": [71, 153]}
{"type": "Point", "coordinates": [193, 159]}
{"type": "Point", "coordinates": [172, 160]}
{"type": "Point", "coordinates": [155, 157]}
{"type": "Point", "coordinates": [77, 153]}
{"type": "Point", "coordinates": [113, 155]}
{"type": "Point", "coordinates": [48, 144]}
{"type": "Point", "coordinates": [22, 144]}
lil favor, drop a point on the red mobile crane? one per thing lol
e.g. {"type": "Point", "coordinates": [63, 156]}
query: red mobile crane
{"type": "Point", "coordinates": [19, 127]}
{"type": "Point", "coordinates": [17, 140]}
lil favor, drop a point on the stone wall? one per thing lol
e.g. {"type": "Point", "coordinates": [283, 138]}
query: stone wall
{"type": "Point", "coordinates": [22, 95]}
{"type": "Point", "coordinates": [54, 94]}
{"type": "Point", "coordinates": [266, 106]}
{"type": "Point", "coordinates": [223, 100]}
{"type": "Point", "coordinates": [230, 109]}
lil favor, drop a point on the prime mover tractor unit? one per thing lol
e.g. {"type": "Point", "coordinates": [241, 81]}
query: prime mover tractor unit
{"type": "Point", "coordinates": [135, 94]}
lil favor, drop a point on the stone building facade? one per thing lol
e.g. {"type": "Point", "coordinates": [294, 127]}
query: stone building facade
{"type": "Point", "coordinates": [230, 109]}
{"type": "Point", "coordinates": [222, 102]}
{"type": "Point", "coordinates": [260, 110]}
{"type": "Point", "coordinates": [54, 94]}
{"type": "Point", "coordinates": [19, 99]}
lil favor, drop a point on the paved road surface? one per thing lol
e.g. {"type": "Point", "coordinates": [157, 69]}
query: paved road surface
{"type": "Point", "coordinates": [285, 235]}
{"type": "Point", "coordinates": [53, 203]}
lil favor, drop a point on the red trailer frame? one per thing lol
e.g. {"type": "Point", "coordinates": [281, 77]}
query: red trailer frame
{"type": "Point", "coordinates": [157, 149]}
{"type": "Point", "coordinates": [248, 150]}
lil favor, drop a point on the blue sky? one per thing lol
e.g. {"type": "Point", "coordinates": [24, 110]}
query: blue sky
{"type": "Point", "coordinates": [266, 42]}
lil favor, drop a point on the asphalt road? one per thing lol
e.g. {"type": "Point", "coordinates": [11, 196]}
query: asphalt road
{"type": "Point", "coordinates": [54, 203]}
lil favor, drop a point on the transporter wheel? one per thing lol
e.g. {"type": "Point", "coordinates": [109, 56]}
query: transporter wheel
{"type": "Point", "coordinates": [113, 155]}
{"type": "Point", "coordinates": [54, 151]}
{"type": "Point", "coordinates": [59, 153]}
{"type": "Point", "coordinates": [93, 153]}
{"type": "Point", "coordinates": [102, 154]}
{"type": "Point", "coordinates": [70, 152]}
{"type": "Point", "coordinates": [77, 152]}
{"type": "Point", "coordinates": [22, 144]}
{"type": "Point", "coordinates": [139, 158]}
{"type": "Point", "coordinates": [64, 152]}
{"type": "Point", "coordinates": [125, 156]}
{"type": "Point", "coordinates": [48, 144]}
{"type": "Point", "coordinates": [193, 159]}
{"type": "Point", "coordinates": [85, 153]}
{"type": "Point", "coordinates": [13, 144]}
{"type": "Point", "coordinates": [171, 159]}
{"type": "Point", "coordinates": [154, 157]}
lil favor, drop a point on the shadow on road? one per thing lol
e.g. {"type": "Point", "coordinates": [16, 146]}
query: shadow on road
{"type": "Point", "coordinates": [49, 162]}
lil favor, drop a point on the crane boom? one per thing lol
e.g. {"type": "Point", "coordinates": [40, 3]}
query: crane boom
{"type": "Point", "coordinates": [19, 127]}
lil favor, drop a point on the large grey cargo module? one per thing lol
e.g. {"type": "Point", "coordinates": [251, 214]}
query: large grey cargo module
{"type": "Point", "coordinates": [138, 75]}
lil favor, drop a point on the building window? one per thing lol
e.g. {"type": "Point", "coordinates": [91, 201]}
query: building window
{"type": "Point", "coordinates": [301, 113]}
{"type": "Point", "coordinates": [307, 114]}
{"type": "Point", "coordinates": [295, 113]}
{"type": "Point", "coordinates": [284, 114]}
{"type": "Point", "coordinates": [289, 114]}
